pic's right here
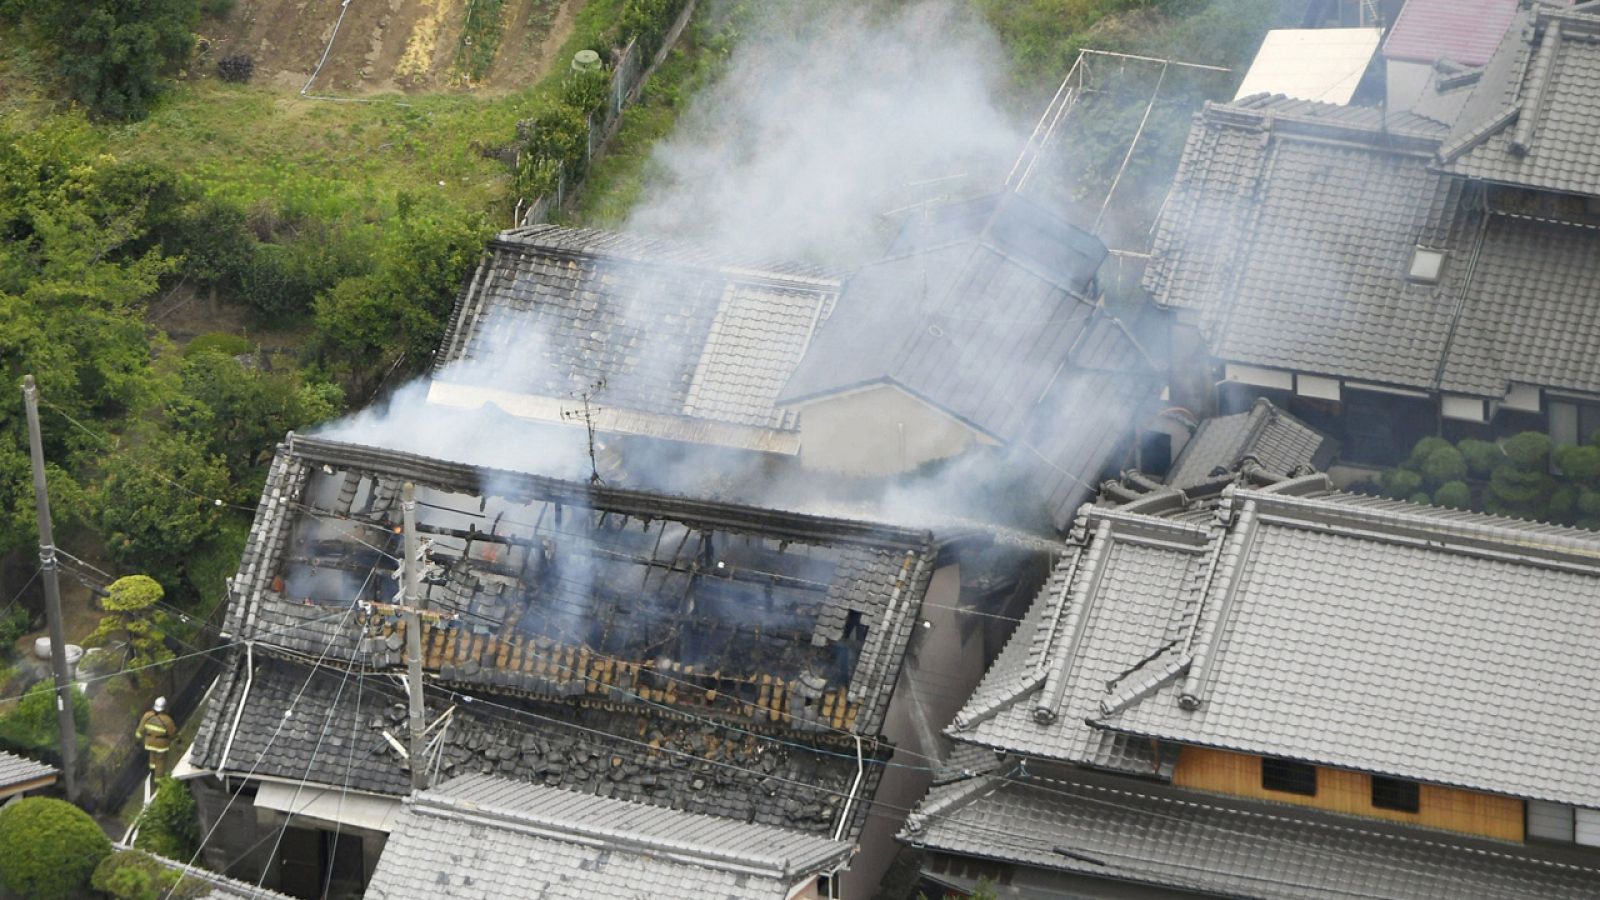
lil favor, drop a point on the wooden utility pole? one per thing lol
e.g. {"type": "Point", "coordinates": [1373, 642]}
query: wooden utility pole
{"type": "Point", "coordinates": [52, 597]}
{"type": "Point", "coordinates": [412, 601]}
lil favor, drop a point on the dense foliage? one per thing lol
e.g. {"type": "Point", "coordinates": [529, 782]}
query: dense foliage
{"type": "Point", "coordinates": [51, 848]}
{"type": "Point", "coordinates": [169, 825]}
{"type": "Point", "coordinates": [131, 611]}
{"type": "Point", "coordinates": [136, 875]}
{"type": "Point", "coordinates": [1514, 477]}
{"type": "Point", "coordinates": [30, 726]}
{"type": "Point", "coordinates": [112, 54]}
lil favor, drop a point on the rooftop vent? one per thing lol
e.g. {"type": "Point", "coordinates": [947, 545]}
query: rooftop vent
{"type": "Point", "coordinates": [1426, 264]}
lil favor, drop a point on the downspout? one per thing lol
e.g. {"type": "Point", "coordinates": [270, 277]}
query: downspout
{"type": "Point", "coordinates": [249, 677]}
{"type": "Point", "coordinates": [861, 770]}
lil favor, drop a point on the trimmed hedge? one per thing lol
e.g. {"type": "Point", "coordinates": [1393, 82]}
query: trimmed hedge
{"type": "Point", "coordinates": [50, 848]}
{"type": "Point", "coordinates": [1510, 478]}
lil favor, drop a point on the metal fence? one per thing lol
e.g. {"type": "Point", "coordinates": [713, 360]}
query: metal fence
{"type": "Point", "coordinates": [628, 76]}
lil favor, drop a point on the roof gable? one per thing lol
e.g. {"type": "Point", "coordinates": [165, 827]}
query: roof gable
{"type": "Point", "coordinates": [1446, 647]}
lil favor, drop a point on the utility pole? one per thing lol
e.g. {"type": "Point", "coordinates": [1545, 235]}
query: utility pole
{"type": "Point", "coordinates": [52, 596]}
{"type": "Point", "coordinates": [411, 601]}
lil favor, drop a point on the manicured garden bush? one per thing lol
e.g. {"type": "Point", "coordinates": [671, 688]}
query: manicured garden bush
{"type": "Point", "coordinates": [50, 848]}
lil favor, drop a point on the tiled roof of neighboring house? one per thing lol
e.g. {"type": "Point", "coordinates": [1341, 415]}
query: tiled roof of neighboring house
{"type": "Point", "coordinates": [671, 330]}
{"type": "Point", "coordinates": [1157, 835]}
{"type": "Point", "coordinates": [1265, 434]}
{"type": "Point", "coordinates": [1444, 647]}
{"type": "Point", "coordinates": [1463, 31]}
{"type": "Point", "coordinates": [483, 836]}
{"type": "Point", "coordinates": [1293, 252]}
{"type": "Point", "coordinates": [334, 735]}
{"type": "Point", "coordinates": [973, 310]}
{"type": "Point", "coordinates": [1533, 118]}
{"type": "Point", "coordinates": [21, 773]}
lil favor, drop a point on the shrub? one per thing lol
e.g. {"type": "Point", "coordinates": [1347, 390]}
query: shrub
{"type": "Point", "coordinates": [587, 91]}
{"type": "Point", "coordinates": [1588, 502]}
{"type": "Point", "coordinates": [1424, 449]}
{"type": "Point", "coordinates": [51, 848]}
{"type": "Point", "coordinates": [1529, 450]}
{"type": "Point", "coordinates": [136, 875]}
{"type": "Point", "coordinates": [1398, 483]}
{"type": "Point", "coordinates": [1563, 502]}
{"type": "Point", "coordinates": [1454, 494]}
{"type": "Point", "coordinates": [1444, 464]}
{"type": "Point", "coordinates": [168, 826]}
{"type": "Point", "coordinates": [1520, 492]}
{"type": "Point", "coordinates": [13, 625]}
{"type": "Point", "coordinates": [1581, 464]}
{"type": "Point", "coordinates": [30, 726]}
{"type": "Point", "coordinates": [1420, 497]}
{"type": "Point", "coordinates": [1481, 456]}
{"type": "Point", "coordinates": [236, 68]}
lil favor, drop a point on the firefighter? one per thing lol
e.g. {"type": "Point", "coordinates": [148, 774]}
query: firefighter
{"type": "Point", "coordinates": [157, 730]}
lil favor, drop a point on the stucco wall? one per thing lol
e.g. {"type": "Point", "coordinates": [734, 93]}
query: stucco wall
{"type": "Point", "coordinates": [879, 430]}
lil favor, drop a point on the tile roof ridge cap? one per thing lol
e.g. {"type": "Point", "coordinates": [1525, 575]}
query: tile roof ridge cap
{"type": "Point", "coordinates": [1472, 138]}
{"type": "Point", "coordinates": [1537, 75]}
{"type": "Point", "coordinates": [1238, 513]}
{"type": "Point", "coordinates": [960, 794]}
{"type": "Point", "coordinates": [1079, 595]}
{"type": "Point", "coordinates": [1145, 678]}
{"type": "Point", "coordinates": [533, 822]}
{"type": "Point", "coordinates": [1136, 521]}
{"type": "Point", "coordinates": [1498, 533]}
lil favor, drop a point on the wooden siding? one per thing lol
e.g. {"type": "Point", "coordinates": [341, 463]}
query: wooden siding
{"type": "Point", "coordinates": [1341, 790]}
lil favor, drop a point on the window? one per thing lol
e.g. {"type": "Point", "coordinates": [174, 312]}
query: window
{"type": "Point", "coordinates": [1395, 793]}
{"type": "Point", "coordinates": [1289, 777]}
{"type": "Point", "coordinates": [1426, 264]}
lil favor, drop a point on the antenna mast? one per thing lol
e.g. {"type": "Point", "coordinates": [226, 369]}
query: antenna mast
{"type": "Point", "coordinates": [587, 414]}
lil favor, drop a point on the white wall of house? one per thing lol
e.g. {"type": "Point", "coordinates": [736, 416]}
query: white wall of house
{"type": "Point", "coordinates": [879, 430]}
{"type": "Point", "coordinates": [1405, 83]}
{"type": "Point", "coordinates": [942, 669]}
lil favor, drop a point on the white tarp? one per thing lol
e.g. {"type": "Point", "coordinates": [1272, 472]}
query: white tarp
{"type": "Point", "coordinates": [1321, 64]}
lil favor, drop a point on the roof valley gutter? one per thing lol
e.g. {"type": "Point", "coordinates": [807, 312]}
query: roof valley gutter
{"type": "Point", "coordinates": [238, 713]}
{"type": "Point", "coordinates": [1466, 289]}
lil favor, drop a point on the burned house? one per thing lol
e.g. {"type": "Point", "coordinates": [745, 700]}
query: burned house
{"type": "Point", "coordinates": [1281, 690]}
{"type": "Point", "coordinates": [715, 659]}
{"type": "Point", "coordinates": [979, 331]}
{"type": "Point", "coordinates": [1389, 275]}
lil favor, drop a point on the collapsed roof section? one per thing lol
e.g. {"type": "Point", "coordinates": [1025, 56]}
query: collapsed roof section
{"type": "Point", "coordinates": [286, 722]}
{"type": "Point", "coordinates": [1264, 435]}
{"type": "Point", "coordinates": [498, 837]}
{"type": "Point", "coordinates": [1434, 645]}
{"type": "Point", "coordinates": [544, 588]}
{"type": "Point", "coordinates": [671, 340]}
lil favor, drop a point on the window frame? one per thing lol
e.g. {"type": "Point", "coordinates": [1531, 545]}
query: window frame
{"type": "Point", "coordinates": [1385, 790]}
{"type": "Point", "coordinates": [1290, 774]}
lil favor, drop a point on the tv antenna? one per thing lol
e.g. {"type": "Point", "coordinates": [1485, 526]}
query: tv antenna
{"type": "Point", "coordinates": [587, 414]}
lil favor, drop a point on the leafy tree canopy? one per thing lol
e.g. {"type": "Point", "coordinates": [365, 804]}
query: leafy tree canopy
{"type": "Point", "coordinates": [51, 847]}
{"type": "Point", "coordinates": [112, 54]}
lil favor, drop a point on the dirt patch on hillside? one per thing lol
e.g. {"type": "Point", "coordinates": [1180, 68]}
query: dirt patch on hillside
{"type": "Point", "coordinates": [412, 46]}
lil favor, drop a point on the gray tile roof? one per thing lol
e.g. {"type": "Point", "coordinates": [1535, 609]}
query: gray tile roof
{"type": "Point", "coordinates": [1289, 236]}
{"type": "Point", "coordinates": [1274, 439]}
{"type": "Point", "coordinates": [332, 733]}
{"type": "Point", "coordinates": [671, 329]}
{"type": "Point", "coordinates": [1439, 646]}
{"type": "Point", "coordinates": [18, 771]}
{"type": "Point", "coordinates": [1534, 117]}
{"type": "Point", "coordinates": [482, 836]}
{"type": "Point", "coordinates": [1157, 835]}
{"type": "Point", "coordinates": [974, 310]}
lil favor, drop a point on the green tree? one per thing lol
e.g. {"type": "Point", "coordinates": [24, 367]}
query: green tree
{"type": "Point", "coordinates": [113, 54]}
{"type": "Point", "coordinates": [158, 502]}
{"type": "Point", "coordinates": [31, 726]}
{"type": "Point", "coordinates": [51, 848]}
{"type": "Point", "coordinates": [131, 610]}
{"type": "Point", "coordinates": [242, 412]}
{"type": "Point", "coordinates": [169, 825]}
